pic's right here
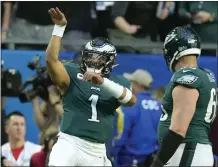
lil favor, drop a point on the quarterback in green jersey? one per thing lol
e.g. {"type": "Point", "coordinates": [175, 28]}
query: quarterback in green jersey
{"type": "Point", "coordinates": [90, 98]}
{"type": "Point", "coordinates": [189, 104]}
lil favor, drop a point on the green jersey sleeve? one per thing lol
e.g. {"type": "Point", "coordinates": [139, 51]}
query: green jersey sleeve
{"type": "Point", "coordinates": [121, 81]}
{"type": "Point", "coordinates": [187, 77]}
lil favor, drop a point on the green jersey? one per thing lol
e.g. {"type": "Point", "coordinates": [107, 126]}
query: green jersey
{"type": "Point", "coordinates": [205, 112]}
{"type": "Point", "coordinates": [88, 108]}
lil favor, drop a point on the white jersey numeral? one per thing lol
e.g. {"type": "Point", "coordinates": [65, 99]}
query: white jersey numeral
{"type": "Point", "coordinates": [211, 108]}
{"type": "Point", "coordinates": [94, 101]}
{"type": "Point", "coordinates": [164, 114]}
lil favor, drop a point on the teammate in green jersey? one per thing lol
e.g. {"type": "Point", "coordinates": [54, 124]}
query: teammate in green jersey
{"type": "Point", "coordinates": [90, 97]}
{"type": "Point", "coordinates": [189, 104]}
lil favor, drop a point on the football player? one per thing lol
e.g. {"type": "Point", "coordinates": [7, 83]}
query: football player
{"type": "Point", "coordinates": [189, 104]}
{"type": "Point", "coordinates": [90, 98]}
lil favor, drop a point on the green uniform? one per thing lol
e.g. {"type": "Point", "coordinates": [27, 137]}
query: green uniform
{"type": "Point", "coordinates": [205, 113]}
{"type": "Point", "coordinates": [88, 108]}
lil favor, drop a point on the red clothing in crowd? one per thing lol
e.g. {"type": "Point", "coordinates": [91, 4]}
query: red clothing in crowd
{"type": "Point", "coordinates": [16, 152]}
{"type": "Point", "coordinates": [38, 159]}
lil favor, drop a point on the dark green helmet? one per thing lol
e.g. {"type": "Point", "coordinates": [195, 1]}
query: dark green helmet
{"type": "Point", "coordinates": [98, 56]}
{"type": "Point", "coordinates": [181, 41]}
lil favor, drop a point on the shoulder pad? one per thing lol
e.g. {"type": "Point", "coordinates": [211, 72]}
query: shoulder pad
{"type": "Point", "coordinates": [187, 77]}
{"type": "Point", "coordinates": [71, 68]}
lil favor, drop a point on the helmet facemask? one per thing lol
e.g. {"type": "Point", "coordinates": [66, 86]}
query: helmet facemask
{"type": "Point", "coordinates": [98, 56]}
{"type": "Point", "coordinates": [97, 62]}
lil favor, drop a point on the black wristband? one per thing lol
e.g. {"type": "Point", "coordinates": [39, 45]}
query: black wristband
{"type": "Point", "coordinates": [169, 146]}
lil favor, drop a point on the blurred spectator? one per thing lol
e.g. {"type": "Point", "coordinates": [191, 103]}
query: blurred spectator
{"type": "Point", "coordinates": [135, 18]}
{"type": "Point", "coordinates": [6, 8]}
{"type": "Point", "coordinates": [137, 140]}
{"type": "Point", "coordinates": [32, 21]}
{"type": "Point", "coordinates": [18, 151]}
{"type": "Point", "coordinates": [103, 10]}
{"type": "Point", "coordinates": [81, 17]}
{"type": "Point", "coordinates": [4, 138]}
{"type": "Point", "coordinates": [47, 114]}
{"type": "Point", "coordinates": [39, 159]}
{"type": "Point", "coordinates": [168, 18]}
{"type": "Point", "coordinates": [203, 18]}
{"type": "Point", "coordinates": [158, 93]}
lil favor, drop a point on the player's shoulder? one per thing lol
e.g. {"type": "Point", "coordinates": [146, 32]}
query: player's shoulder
{"type": "Point", "coordinates": [190, 77]}
{"type": "Point", "coordinates": [120, 80]}
{"type": "Point", "coordinates": [72, 68]}
{"type": "Point", "coordinates": [70, 64]}
{"type": "Point", "coordinates": [187, 74]}
{"type": "Point", "coordinates": [193, 77]}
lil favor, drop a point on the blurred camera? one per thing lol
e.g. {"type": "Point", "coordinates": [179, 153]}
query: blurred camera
{"type": "Point", "coordinates": [39, 83]}
{"type": "Point", "coordinates": [11, 81]}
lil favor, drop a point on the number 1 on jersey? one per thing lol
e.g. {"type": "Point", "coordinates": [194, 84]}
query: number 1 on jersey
{"type": "Point", "coordinates": [94, 100]}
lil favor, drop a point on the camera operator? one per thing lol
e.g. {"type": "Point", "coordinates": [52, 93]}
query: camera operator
{"type": "Point", "coordinates": [48, 113]}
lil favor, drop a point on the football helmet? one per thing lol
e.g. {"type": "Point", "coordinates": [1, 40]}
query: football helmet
{"type": "Point", "coordinates": [181, 41]}
{"type": "Point", "coordinates": [98, 56]}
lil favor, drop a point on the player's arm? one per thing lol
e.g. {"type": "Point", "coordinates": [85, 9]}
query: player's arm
{"type": "Point", "coordinates": [127, 98]}
{"type": "Point", "coordinates": [56, 69]}
{"type": "Point", "coordinates": [121, 93]}
{"type": "Point", "coordinates": [38, 110]}
{"type": "Point", "coordinates": [184, 105]}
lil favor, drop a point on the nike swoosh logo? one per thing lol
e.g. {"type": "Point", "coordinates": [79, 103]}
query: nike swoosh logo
{"type": "Point", "coordinates": [185, 70]}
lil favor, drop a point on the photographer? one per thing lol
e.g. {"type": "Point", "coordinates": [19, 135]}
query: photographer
{"type": "Point", "coordinates": [48, 113]}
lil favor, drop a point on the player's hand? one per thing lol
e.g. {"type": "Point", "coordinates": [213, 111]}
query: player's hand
{"type": "Point", "coordinates": [164, 14]}
{"type": "Point", "coordinates": [203, 16]}
{"type": "Point", "coordinates": [93, 77]}
{"type": "Point", "coordinates": [57, 16]}
{"type": "Point", "coordinates": [132, 29]}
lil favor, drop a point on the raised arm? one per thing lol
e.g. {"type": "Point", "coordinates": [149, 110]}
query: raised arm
{"type": "Point", "coordinates": [6, 19]}
{"type": "Point", "coordinates": [38, 116]}
{"type": "Point", "coordinates": [56, 69]}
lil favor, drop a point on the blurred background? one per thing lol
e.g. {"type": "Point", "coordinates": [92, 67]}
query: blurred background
{"type": "Point", "coordinates": [137, 29]}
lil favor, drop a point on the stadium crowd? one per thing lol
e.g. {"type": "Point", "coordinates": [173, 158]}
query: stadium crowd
{"type": "Point", "coordinates": [138, 22]}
